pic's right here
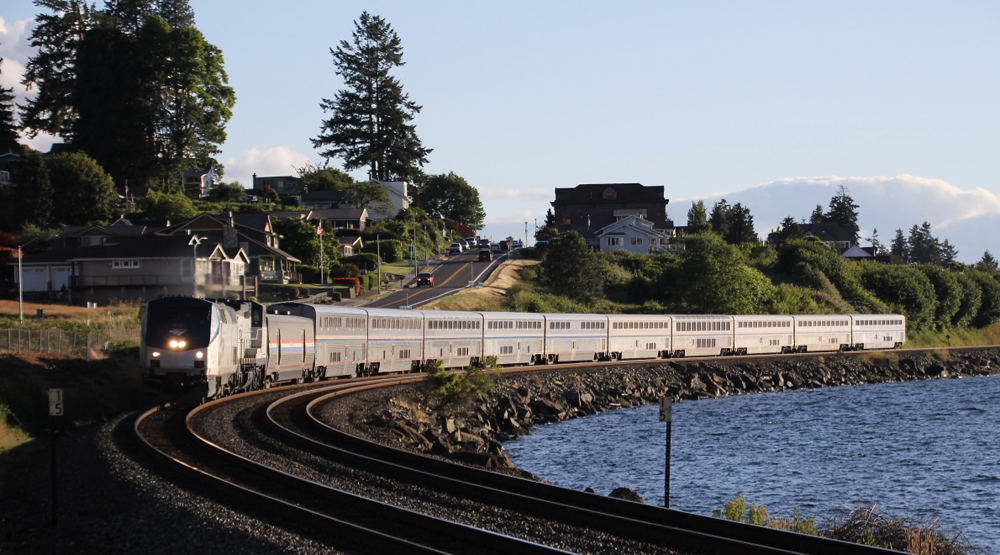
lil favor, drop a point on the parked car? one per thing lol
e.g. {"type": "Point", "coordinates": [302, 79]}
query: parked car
{"type": "Point", "coordinates": [517, 244]}
{"type": "Point", "coordinates": [495, 247]}
{"type": "Point", "coordinates": [425, 278]}
{"type": "Point", "coordinates": [485, 255]}
{"type": "Point", "coordinates": [541, 245]}
{"type": "Point", "coordinates": [484, 243]}
{"type": "Point", "coordinates": [456, 248]}
{"type": "Point", "coordinates": [504, 245]}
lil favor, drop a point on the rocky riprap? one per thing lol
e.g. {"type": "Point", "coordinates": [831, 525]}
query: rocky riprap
{"type": "Point", "coordinates": [519, 402]}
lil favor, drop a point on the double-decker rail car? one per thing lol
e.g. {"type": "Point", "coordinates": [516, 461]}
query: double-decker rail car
{"type": "Point", "coordinates": [708, 335]}
{"type": "Point", "coordinates": [395, 341]}
{"type": "Point", "coordinates": [761, 334]}
{"type": "Point", "coordinates": [822, 332]}
{"type": "Point", "coordinates": [291, 348]}
{"type": "Point", "coordinates": [575, 337]}
{"type": "Point", "coordinates": [878, 331]}
{"type": "Point", "coordinates": [632, 336]}
{"type": "Point", "coordinates": [514, 337]}
{"type": "Point", "coordinates": [452, 337]}
{"type": "Point", "coordinates": [222, 347]}
{"type": "Point", "coordinates": [341, 337]}
{"type": "Point", "coordinates": [188, 341]}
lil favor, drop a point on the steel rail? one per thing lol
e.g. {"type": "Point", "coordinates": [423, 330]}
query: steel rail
{"type": "Point", "coordinates": [652, 523]}
{"type": "Point", "coordinates": [369, 523]}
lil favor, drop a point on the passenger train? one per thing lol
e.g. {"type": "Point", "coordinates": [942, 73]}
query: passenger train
{"type": "Point", "coordinates": [224, 347]}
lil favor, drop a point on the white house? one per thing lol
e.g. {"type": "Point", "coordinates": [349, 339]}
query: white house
{"type": "Point", "coordinates": [633, 234]}
{"type": "Point", "coordinates": [399, 196]}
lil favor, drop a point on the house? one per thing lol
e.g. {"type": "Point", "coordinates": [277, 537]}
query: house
{"type": "Point", "coordinates": [137, 269]}
{"type": "Point", "coordinates": [627, 199]}
{"type": "Point", "coordinates": [859, 253]}
{"type": "Point", "coordinates": [282, 184]}
{"type": "Point", "coordinates": [198, 183]}
{"type": "Point", "coordinates": [632, 234]}
{"type": "Point", "coordinates": [349, 246]}
{"type": "Point", "coordinates": [7, 162]}
{"type": "Point", "coordinates": [399, 195]}
{"type": "Point", "coordinates": [93, 235]}
{"type": "Point", "coordinates": [343, 218]}
{"type": "Point", "coordinates": [321, 200]}
{"type": "Point", "coordinates": [835, 235]}
{"type": "Point", "coordinates": [254, 234]}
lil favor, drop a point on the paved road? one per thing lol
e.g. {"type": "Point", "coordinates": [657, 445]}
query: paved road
{"type": "Point", "coordinates": [450, 276]}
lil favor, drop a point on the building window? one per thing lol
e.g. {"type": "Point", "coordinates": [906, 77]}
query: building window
{"type": "Point", "coordinates": [636, 240]}
{"type": "Point", "coordinates": [4, 177]}
{"type": "Point", "coordinates": [614, 241]}
{"type": "Point", "coordinates": [124, 264]}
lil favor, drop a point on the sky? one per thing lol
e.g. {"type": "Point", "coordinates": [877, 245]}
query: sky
{"type": "Point", "coordinates": [772, 104]}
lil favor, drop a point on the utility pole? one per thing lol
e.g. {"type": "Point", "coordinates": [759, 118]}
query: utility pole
{"type": "Point", "coordinates": [378, 251]}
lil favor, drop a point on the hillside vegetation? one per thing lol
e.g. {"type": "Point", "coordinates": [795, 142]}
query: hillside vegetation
{"type": "Point", "coordinates": [956, 304]}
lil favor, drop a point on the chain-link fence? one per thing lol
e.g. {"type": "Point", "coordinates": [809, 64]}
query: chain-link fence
{"type": "Point", "coordinates": [84, 344]}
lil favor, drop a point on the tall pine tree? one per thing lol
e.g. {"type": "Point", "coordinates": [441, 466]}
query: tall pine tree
{"type": "Point", "coordinates": [370, 126]}
{"type": "Point", "coordinates": [52, 70]}
{"type": "Point", "coordinates": [8, 125]}
{"type": "Point", "coordinates": [843, 212]}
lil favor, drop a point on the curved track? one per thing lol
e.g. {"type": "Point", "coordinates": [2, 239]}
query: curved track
{"type": "Point", "coordinates": [346, 518]}
{"type": "Point", "coordinates": [295, 421]}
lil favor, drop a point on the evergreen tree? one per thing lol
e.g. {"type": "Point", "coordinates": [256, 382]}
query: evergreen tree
{"type": "Point", "coordinates": [741, 228]}
{"type": "Point", "coordinates": [987, 263]}
{"type": "Point", "coordinates": [877, 246]}
{"type": "Point", "coordinates": [177, 13]}
{"type": "Point", "coordinates": [52, 69]}
{"type": "Point", "coordinates": [8, 125]}
{"type": "Point", "coordinates": [150, 104]}
{"type": "Point", "coordinates": [370, 123]}
{"type": "Point", "coordinates": [697, 218]}
{"type": "Point", "coordinates": [788, 229]}
{"type": "Point", "coordinates": [843, 212]}
{"type": "Point", "coordinates": [720, 218]}
{"type": "Point", "coordinates": [899, 247]}
{"type": "Point", "coordinates": [817, 215]}
{"type": "Point", "coordinates": [548, 229]}
{"type": "Point", "coordinates": [923, 246]}
{"type": "Point", "coordinates": [129, 15]}
{"type": "Point", "coordinates": [948, 252]}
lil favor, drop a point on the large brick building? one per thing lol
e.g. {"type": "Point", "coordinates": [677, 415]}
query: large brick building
{"type": "Point", "coordinates": [615, 200]}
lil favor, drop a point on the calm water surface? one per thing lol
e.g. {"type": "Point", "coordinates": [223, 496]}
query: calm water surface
{"type": "Point", "coordinates": [928, 449]}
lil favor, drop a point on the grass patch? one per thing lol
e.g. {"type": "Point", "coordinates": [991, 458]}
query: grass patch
{"type": "Point", "coordinates": [863, 525]}
{"type": "Point", "coordinates": [954, 338]}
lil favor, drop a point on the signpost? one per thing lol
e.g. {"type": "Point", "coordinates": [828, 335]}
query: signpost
{"type": "Point", "coordinates": [666, 415]}
{"type": "Point", "coordinates": [55, 409]}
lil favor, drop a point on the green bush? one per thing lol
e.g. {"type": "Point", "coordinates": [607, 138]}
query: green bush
{"type": "Point", "coordinates": [453, 391]}
{"type": "Point", "coordinates": [391, 250]}
{"type": "Point", "coordinates": [365, 261]}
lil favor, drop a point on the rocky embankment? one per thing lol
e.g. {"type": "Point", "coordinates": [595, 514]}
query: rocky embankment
{"type": "Point", "coordinates": [522, 401]}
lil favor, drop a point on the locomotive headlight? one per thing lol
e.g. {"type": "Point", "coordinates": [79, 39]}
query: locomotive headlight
{"type": "Point", "coordinates": [177, 343]}
{"type": "Point", "coordinates": [199, 355]}
{"type": "Point", "coordinates": [173, 343]}
{"type": "Point", "coordinates": [156, 354]}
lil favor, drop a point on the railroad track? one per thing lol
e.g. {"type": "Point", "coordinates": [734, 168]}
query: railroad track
{"type": "Point", "coordinates": [298, 418]}
{"type": "Point", "coordinates": [295, 419]}
{"type": "Point", "coordinates": [363, 524]}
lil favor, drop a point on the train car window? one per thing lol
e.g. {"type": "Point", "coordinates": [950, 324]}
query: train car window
{"type": "Point", "coordinates": [303, 345]}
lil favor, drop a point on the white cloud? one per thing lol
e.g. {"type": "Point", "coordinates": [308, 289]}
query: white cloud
{"type": "Point", "coordinates": [279, 160]}
{"type": "Point", "coordinates": [966, 217]}
{"type": "Point", "coordinates": [15, 51]}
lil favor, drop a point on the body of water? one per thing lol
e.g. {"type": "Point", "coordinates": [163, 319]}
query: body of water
{"type": "Point", "coordinates": [926, 450]}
